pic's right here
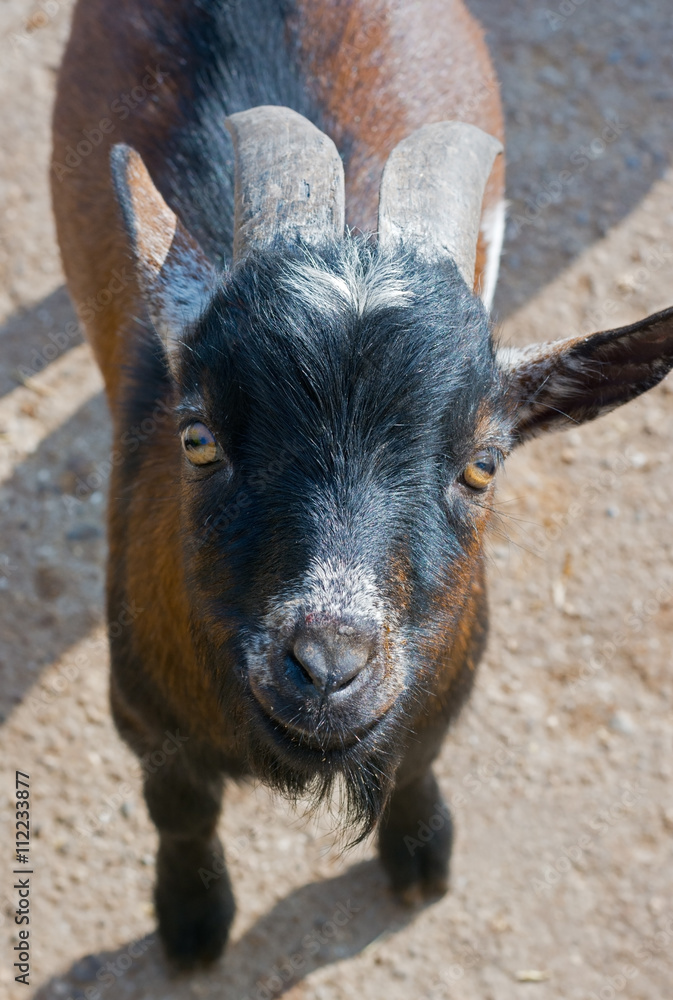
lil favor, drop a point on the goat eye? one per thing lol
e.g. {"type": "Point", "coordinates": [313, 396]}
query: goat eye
{"type": "Point", "coordinates": [479, 473]}
{"type": "Point", "coordinates": [200, 446]}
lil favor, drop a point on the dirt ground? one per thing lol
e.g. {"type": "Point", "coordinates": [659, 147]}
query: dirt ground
{"type": "Point", "coordinates": [560, 768]}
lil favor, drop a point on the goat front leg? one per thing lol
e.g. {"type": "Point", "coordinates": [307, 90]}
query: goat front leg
{"type": "Point", "coordinates": [415, 839]}
{"type": "Point", "coordinates": [193, 898]}
{"type": "Point", "coordinates": [416, 829]}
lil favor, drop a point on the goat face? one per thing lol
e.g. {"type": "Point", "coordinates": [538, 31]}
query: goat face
{"type": "Point", "coordinates": [341, 414]}
{"type": "Point", "coordinates": [333, 538]}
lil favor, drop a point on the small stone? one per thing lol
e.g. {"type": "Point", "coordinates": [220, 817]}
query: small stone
{"type": "Point", "coordinates": [83, 532]}
{"type": "Point", "coordinates": [612, 511]}
{"type": "Point", "coordinates": [49, 583]}
{"type": "Point", "coordinates": [621, 722]}
{"type": "Point", "coordinates": [604, 737]}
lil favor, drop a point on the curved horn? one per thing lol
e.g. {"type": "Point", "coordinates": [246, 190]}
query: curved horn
{"type": "Point", "coordinates": [289, 179]}
{"type": "Point", "coordinates": [432, 189]}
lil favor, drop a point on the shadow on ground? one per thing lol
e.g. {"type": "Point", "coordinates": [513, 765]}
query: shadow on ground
{"type": "Point", "coordinates": [32, 338]}
{"type": "Point", "coordinates": [319, 924]}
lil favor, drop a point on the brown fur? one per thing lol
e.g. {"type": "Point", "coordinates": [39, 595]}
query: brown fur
{"type": "Point", "coordinates": [377, 72]}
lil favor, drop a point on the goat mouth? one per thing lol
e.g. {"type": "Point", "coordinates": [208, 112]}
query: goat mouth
{"type": "Point", "coordinates": [335, 740]}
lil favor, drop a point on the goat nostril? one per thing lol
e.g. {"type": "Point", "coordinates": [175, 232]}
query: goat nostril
{"type": "Point", "coordinates": [330, 662]}
{"type": "Point", "coordinates": [299, 667]}
{"type": "Point", "coordinates": [346, 683]}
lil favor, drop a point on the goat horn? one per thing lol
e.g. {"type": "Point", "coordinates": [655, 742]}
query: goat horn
{"type": "Point", "coordinates": [432, 189]}
{"type": "Point", "coordinates": [289, 179]}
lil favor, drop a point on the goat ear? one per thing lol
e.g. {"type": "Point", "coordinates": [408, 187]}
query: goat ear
{"type": "Point", "coordinates": [175, 276]}
{"type": "Point", "coordinates": [556, 385]}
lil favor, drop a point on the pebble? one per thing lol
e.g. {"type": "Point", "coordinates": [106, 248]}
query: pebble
{"type": "Point", "coordinates": [83, 532]}
{"type": "Point", "coordinates": [621, 722]}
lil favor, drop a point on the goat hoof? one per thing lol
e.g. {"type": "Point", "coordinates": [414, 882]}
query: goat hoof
{"type": "Point", "coordinates": [418, 870]}
{"type": "Point", "coordinates": [194, 931]}
{"type": "Point", "coordinates": [419, 893]}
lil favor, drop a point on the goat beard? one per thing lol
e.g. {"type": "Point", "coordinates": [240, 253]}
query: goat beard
{"type": "Point", "coordinates": [351, 782]}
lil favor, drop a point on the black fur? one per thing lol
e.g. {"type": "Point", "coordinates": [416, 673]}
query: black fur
{"type": "Point", "coordinates": [344, 435]}
{"type": "Point", "coordinates": [220, 57]}
{"type": "Point", "coordinates": [344, 431]}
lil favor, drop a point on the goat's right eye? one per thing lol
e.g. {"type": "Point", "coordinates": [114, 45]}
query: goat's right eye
{"type": "Point", "coordinates": [200, 445]}
{"type": "Point", "coordinates": [480, 472]}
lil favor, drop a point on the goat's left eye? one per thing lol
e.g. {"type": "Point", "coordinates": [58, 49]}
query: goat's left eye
{"type": "Point", "coordinates": [200, 445]}
{"type": "Point", "coordinates": [480, 472]}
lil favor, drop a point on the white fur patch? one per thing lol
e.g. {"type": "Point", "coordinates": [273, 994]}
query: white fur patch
{"type": "Point", "coordinates": [334, 589]}
{"type": "Point", "coordinates": [382, 286]}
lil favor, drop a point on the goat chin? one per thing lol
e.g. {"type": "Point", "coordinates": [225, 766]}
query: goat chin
{"type": "Point", "coordinates": [350, 778]}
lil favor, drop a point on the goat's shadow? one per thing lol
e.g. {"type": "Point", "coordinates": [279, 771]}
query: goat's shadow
{"type": "Point", "coordinates": [319, 924]}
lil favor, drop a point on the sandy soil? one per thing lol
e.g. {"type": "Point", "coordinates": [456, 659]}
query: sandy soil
{"type": "Point", "coordinates": [561, 765]}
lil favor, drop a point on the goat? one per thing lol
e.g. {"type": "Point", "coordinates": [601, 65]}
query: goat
{"type": "Point", "coordinates": [307, 422]}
